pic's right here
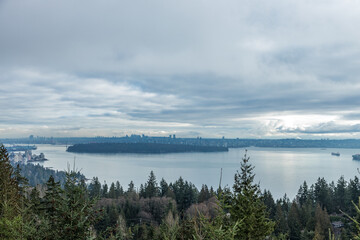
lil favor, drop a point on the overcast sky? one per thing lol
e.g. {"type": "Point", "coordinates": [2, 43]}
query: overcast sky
{"type": "Point", "coordinates": [259, 69]}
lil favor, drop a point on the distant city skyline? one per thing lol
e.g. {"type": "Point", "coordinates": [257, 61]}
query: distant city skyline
{"type": "Point", "coordinates": [239, 69]}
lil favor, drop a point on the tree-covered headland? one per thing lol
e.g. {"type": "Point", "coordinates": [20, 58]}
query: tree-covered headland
{"type": "Point", "coordinates": [176, 210]}
{"type": "Point", "coordinates": [142, 148]}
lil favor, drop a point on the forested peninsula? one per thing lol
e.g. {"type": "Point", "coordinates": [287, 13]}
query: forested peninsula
{"type": "Point", "coordinates": [146, 148]}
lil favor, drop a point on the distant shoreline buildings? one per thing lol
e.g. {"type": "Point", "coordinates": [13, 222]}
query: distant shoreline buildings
{"type": "Point", "coordinates": [26, 157]}
{"type": "Point", "coordinates": [199, 141]}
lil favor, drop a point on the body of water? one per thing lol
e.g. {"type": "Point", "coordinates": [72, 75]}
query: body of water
{"type": "Point", "coordinates": [278, 170]}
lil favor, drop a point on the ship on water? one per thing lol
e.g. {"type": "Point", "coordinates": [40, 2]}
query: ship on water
{"type": "Point", "coordinates": [19, 148]}
{"type": "Point", "coordinates": [356, 157]}
{"type": "Point", "coordinates": [335, 154]}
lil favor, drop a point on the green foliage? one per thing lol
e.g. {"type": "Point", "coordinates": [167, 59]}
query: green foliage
{"type": "Point", "coordinates": [77, 211]}
{"type": "Point", "coordinates": [247, 205]}
{"type": "Point", "coordinates": [322, 194]}
{"type": "Point", "coordinates": [63, 213]}
{"type": "Point", "coordinates": [204, 194]}
{"type": "Point", "coordinates": [322, 223]}
{"type": "Point", "coordinates": [356, 220]}
{"type": "Point", "coordinates": [185, 194]}
{"type": "Point", "coordinates": [294, 222]}
{"type": "Point", "coordinates": [142, 148]}
{"type": "Point", "coordinates": [281, 226]}
{"type": "Point", "coordinates": [164, 188]}
{"type": "Point", "coordinates": [169, 211]}
{"type": "Point", "coordinates": [37, 174]}
{"type": "Point", "coordinates": [95, 188]}
{"type": "Point", "coordinates": [169, 229]}
{"type": "Point", "coordinates": [151, 187]}
{"type": "Point", "coordinates": [207, 229]}
{"type": "Point", "coordinates": [10, 199]}
{"type": "Point", "coordinates": [11, 228]}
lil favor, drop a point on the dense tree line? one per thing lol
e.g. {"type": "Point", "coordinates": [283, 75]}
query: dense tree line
{"type": "Point", "coordinates": [141, 148]}
{"type": "Point", "coordinates": [37, 174]}
{"type": "Point", "coordinates": [310, 214]}
{"type": "Point", "coordinates": [61, 213]}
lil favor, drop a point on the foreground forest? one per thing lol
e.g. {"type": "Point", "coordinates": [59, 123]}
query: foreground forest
{"type": "Point", "coordinates": [60, 205]}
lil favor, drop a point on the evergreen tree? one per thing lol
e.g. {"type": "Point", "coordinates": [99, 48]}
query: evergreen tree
{"type": "Point", "coordinates": [179, 191]}
{"type": "Point", "coordinates": [322, 193]}
{"type": "Point", "coordinates": [112, 193]}
{"type": "Point", "coordinates": [212, 192]}
{"type": "Point", "coordinates": [77, 210]}
{"type": "Point", "coordinates": [119, 191]}
{"type": "Point", "coordinates": [131, 187]}
{"type": "Point", "coordinates": [322, 223]}
{"type": "Point", "coordinates": [10, 200]}
{"type": "Point", "coordinates": [151, 187]}
{"type": "Point", "coordinates": [281, 226]}
{"type": "Point", "coordinates": [303, 194]}
{"type": "Point", "coordinates": [204, 194]}
{"type": "Point", "coordinates": [142, 193]}
{"type": "Point", "coordinates": [105, 189]}
{"type": "Point", "coordinates": [269, 203]}
{"type": "Point", "coordinates": [356, 220]}
{"type": "Point", "coordinates": [307, 215]}
{"type": "Point", "coordinates": [294, 222]}
{"type": "Point", "coordinates": [248, 207]}
{"type": "Point", "coordinates": [164, 187]}
{"type": "Point", "coordinates": [95, 188]}
{"type": "Point", "coordinates": [340, 194]}
{"type": "Point", "coordinates": [50, 205]}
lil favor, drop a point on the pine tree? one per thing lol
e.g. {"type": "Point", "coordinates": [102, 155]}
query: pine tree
{"type": "Point", "coordinates": [105, 189]}
{"type": "Point", "coordinates": [340, 194]}
{"type": "Point", "coordinates": [248, 207]}
{"type": "Point", "coordinates": [303, 193]}
{"type": "Point", "coordinates": [322, 223]}
{"type": "Point", "coordinates": [131, 187]}
{"type": "Point", "coordinates": [95, 188]}
{"type": "Point", "coordinates": [322, 193]}
{"type": "Point", "coordinates": [112, 193]}
{"type": "Point", "coordinates": [269, 203]}
{"type": "Point", "coordinates": [164, 187]}
{"type": "Point", "coordinates": [151, 187]}
{"type": "Point", "coordinates": [142, 193]}
{"type": "Point", "coordinates": [10, 199]}
{"type": "Point", "coordinates": [281, 226]}
{"type": "Point", "coordinates": [204, 194]}
{"type": "Point", "coordinates": [49, 207]}
{"type": "Point", "coordinates": [119, 191]}
{"type": "Point", "coordinates": [77, 210]}
{"type": "Point", "coordinates": [294, 222]}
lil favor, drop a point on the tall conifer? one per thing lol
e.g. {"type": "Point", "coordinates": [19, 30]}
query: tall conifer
{"type": "Point", "coordinates": [10, 199]}
{"type": "Point", "coordinates": [248, 206]}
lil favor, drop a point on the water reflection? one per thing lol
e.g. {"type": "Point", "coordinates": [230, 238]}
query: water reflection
{"type": "Point", "coordinates": [279, 170]}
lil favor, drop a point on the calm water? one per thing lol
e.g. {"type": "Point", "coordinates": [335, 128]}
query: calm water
{"type": "Point", "coordinates": [279, 170]}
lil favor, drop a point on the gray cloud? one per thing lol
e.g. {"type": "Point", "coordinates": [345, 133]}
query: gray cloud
{"type": "Point", "coordinates": [324, 128]}
{"type": "Point", "coordinates": [236, 68]}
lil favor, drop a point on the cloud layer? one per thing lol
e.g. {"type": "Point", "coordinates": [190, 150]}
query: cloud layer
{"type": "Point", "coordinates": [233, 68]}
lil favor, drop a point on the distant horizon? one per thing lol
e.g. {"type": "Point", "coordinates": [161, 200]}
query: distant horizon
{"type": "Point", "coordinates": [182, 137]}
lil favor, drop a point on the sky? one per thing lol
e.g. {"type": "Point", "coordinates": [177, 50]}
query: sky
{"type": "Point", "coordinates": [233, 68]}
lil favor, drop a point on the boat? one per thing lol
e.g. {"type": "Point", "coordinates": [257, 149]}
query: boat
{"type": "Point", "coordinates": [19, 148]}
{"type": "Point", "coordinates": [335, 154]}
{"type": "Point", "coordinates": [356, 157]}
